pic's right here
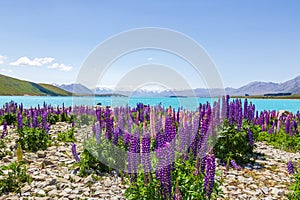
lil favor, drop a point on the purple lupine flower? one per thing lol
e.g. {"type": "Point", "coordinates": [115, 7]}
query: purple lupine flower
{"type": "Point", "coordinates": [295, 127]}
{"type": "Point", "coordinates": [97, 132]}
{"type": "Point", "coordinates": [290, 167]}
{"type": "Point", "coordinates": [127, 138]}
{"type": "Point", "coordinates": [246, 108]}
{"type": "Point", "coordinates": [250, 136]}
{"type": "Point", "coordinates": [47, 127]}
{"type": "Point", "coordinates": [134, 154]}
{"type": "Point", "coordinates": [240, 120]}
{"type": "Point", "coordinates": [146, 156]}
{"type": "Point", "coordinates": [203, 164]}
{"type": "Point", "coordinates": [35, 120]}
{"type": "Point", "coordinates": [234, 165]}
{"type": "Point", "coordinates": [20, 120]}
{"type": "Point", "coordinates": [209, 179]}
{"type": "Point", "coordinates": [278, 125]}
{"type": "Point", "coordinates": [287, 126]}
{"type": "Point", "coordinates": [44, 119]}
{"type": "Point", "coordinates": [4, 133]}
{"type": "Point", "coordinates": [28, 120]}
{"type": "Point", "coordinates": [116, 135]}
{"type": "Point", "coordinates": [75, 155]}
{"type": "Point", "coordinates": [177, 194]}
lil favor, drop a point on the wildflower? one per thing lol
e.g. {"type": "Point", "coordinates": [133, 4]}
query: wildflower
{"type": "Point", "coordinates": [234, 165]}
{"type": "Point", "coordinates": [290, 167]}
{"type": "Point", "coordinates": [251, 142]}
{"type": "Point", "coordinates": [75, 155]}
{"type": "Point", "coordinates": [210, 174]}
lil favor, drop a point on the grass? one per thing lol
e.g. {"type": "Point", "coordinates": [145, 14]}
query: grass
{"type": "Point", "coordinates": [12, 86]}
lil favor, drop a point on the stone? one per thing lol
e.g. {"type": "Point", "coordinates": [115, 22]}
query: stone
{"type": "Point", "coordinates": [67, 190]}
{"type": "Point", "coordinates": [76, 178]}
{"type": "Point", "coordinates": [47, 162]}
{"type": "Point", "coordinates": [276, 191]}
{"type": "Point", "coordinates": [41, 154]}
{"type": "Point", "coordinates": [88, 179]}
{"type": "Point", "coordinates": [26, 188]}
{"type": "Point", "coordinates": [53, 181]}
{"type": "Point", "coordinates": [265, 190]}
{"type": "Point", "coordinates": [40, 192]}
{"type": "Point", "coordinates": [253, 186]}
{"type": "Point", "coordinates": [107, 183]}
{"type": "Point", "coordinates": [53, 193]}
{"type": "Point", "coordinates": [6, 159]}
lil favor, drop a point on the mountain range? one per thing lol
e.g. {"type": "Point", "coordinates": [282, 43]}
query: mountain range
{"type": "Point", "coordinates": [253, 88]}
{"type": "Point", "coordinates": [13, 86]}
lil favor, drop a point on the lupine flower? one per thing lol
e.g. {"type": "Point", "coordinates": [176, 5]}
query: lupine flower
{"type": "Point", "coordinates": [28, 120]}
{"type": "Point", "coordinates": [146, 157]}
{"type": "Point", "coordinates": [20, 120]}
{"type": "Point", "coordinates": [234, 165]}
{"type": "Point", "coordinates": [75, 155]}
{"type": "Point", "coordinates": [251, 142]}
{"type": "Point", "coordinates": [209, 179]}
{"type": "Point", "coordinates": [35, 120]}
{"type": "Point", "coordinates": [116, 135]}
{"type": "Point", "coordinates": [134, 155]}
{"type": "Point", "coordinates": [97, 132]}
{"type": "Point", "coordinates": [4, 133]}
{"type": "Point", "coordinates": [47, 127]}
{"type": "Point", "coordinates": [290, 167]}
{"type": "Point", "coordinates": [177, 194]}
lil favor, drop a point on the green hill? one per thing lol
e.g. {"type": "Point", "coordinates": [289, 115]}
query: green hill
{"type": "Point", "coordinates": [12, 86]}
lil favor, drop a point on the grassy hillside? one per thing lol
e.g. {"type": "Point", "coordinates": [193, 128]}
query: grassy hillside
{"type": "Point", "coordinates": [12, 86]}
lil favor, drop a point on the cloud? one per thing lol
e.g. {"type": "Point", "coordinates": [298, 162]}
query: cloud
{"type": "Point", "coordinates": [61, 67]}
{"type": "Point", "coordinates": [35, 62]}
{"type": "Point", "coordinates": [2, 58]}
{"type": "Point", "coordinates": [149, 59]}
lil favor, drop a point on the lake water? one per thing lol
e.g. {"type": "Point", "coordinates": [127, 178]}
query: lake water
{"type": "Point", "coordinates": [189, 103]}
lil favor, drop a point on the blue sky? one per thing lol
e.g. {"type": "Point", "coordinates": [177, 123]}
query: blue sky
{"type": "Point", "coordinates": [47, 41]}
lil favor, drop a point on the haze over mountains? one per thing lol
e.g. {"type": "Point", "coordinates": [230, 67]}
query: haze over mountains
{"type": "Point", "coordinates": [13, 86]}
{"type": "Point", "coordinates": [253, 88]}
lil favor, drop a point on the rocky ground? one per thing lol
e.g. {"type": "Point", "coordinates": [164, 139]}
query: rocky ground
{"type": "Point", "coordinates": [266, 179]}
{"type": "Point", "coordinates": [55, 178]}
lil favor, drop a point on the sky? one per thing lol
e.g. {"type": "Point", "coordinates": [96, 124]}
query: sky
{"type": "Point", "coordinates": [48, 41]}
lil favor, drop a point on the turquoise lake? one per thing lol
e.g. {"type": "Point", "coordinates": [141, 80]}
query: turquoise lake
{"type": "Point", "coordinates": [188, 103]}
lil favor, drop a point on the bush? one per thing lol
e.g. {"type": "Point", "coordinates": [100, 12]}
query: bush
{"type": "Point", "coordinates": [33, 139]}
{"type": "Point", "coordinates": [15, 179]}
{"type": "Point", "coordinates": [67, 136]}
{"type": "Point", "coordinates": [236, 145]}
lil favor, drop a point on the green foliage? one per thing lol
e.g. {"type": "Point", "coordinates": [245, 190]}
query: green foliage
{"type": "Point", "coordinates": [15, 179]}
{"type": "Point", "coordinates": [281, 140]}
{"type": "Point", "coordinates": [234, 144]}
{"type": "Point", "coordinates": [54, 118]}
{"type": "Point", "coordinates": [190, 185]}
{"type": "Point", "coordinates": [295, 187]}
{"type": "Point", "coordinates": [67, 136]}
{"type": "Point", "coordinates": [144, 191]}
{"type": "Point", "coordinates": [34, 139]}
{"type": "Point", "coordinates": [10, 118]}
{"type": "Point", "coordinates": [2, 149]}
{"type": "Point", "coordinates": [88, 163]}
{"type": "Point", "coordinates": [85, 119]}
